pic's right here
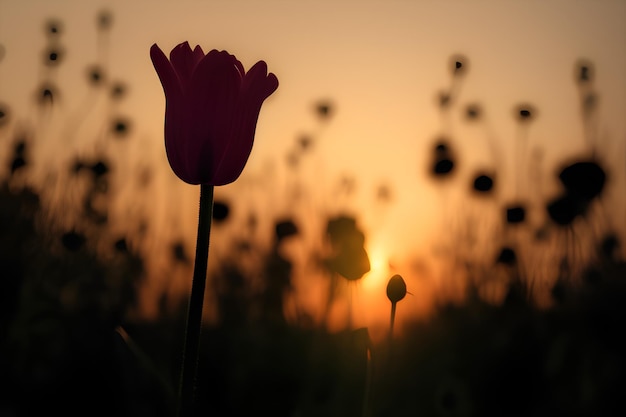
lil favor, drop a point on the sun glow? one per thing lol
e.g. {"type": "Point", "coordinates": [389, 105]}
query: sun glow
{"type": "Point", "coordinates": [382, 134]}
{"type": "Point", "coordinates": [379, 267]}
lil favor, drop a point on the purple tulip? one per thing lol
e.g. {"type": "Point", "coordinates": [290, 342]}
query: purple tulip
{"type": "Point", "coordinates": [211, 112]}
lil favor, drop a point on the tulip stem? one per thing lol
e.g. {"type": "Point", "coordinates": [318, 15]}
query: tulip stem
{"type": "Point", "coordinates": [193, 327]}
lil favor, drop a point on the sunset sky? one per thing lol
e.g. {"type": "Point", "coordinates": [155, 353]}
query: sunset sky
{"type": "Point", "coordinates": [381, 64]}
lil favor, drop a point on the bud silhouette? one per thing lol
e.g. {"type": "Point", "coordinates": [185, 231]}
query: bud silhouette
{"type": "Point", "coordinates": [507, 256]}
{"type": "Point", "coordinates": [525, 113]}
{"type": "Point", "coordinates": [584, 72]}
{"type": "Point", "coordinates": [396, 291]}
{"type": "Point", "coordinates": [396, 288]}
{"type": "Point", "coordinates": [515, 214]}
{"type": "Point", "coordinates": [284, 229]}
{"type": "Point", "coordinates": [583, 182]}
{"type": "Point", "coordinates": [221, 211]}
{"type": "Point", "coordinates": [483, 183]}
{"type": "Point", "coordinates": [443, 161]}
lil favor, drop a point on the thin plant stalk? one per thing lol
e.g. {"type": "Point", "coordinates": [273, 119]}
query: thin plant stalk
{"type": "Point", "coordinates": [193, 326]}
{"type": "Point", "coordinates": [390, 352]}
{"type": "Point", "coordinates": [393, 319]}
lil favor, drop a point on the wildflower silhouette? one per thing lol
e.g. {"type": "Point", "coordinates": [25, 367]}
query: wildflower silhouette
{"type": "Point", "coordinates": [396, 291]}
{"type": "Point", "coordinates": [212, 107]}
{"type": "Point", "coordinates": [350, 258]}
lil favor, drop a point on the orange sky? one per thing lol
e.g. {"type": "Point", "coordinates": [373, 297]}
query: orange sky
{"type": "Point", "coordinates": [380, 62]}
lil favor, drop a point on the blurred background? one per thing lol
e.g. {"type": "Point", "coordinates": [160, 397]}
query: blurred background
{"type": "Point", "coordinates": [437, 131]}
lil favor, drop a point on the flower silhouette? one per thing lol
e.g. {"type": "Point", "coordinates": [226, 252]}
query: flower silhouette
{"type": "Point", "coordinates": [350, 258]}
{"type": "Point", "coordinates": [212, 108]}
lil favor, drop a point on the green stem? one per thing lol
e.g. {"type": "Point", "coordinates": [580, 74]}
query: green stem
{"type": "Point", "coordinates": [193, 327]}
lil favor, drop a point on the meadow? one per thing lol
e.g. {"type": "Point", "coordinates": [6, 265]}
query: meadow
{"type": "Point", "coordinates": [528, 320]}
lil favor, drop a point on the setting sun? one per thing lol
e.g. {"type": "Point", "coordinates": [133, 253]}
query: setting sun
{"type": "Point", "coordinates": [379, 262]}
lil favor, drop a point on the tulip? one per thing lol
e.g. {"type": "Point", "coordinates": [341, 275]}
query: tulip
{"type": "Point", "coordinates": [212, 108]}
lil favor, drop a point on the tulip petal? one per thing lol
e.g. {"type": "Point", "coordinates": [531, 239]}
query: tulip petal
{"type": "Point", "coordinates": [184, 61]}
{"type": "Point", "coordinates": [166, 72]}
{"type": "Point", "coordinates": [258, 76]}
{"type": "Point", "coordinates": [239, 65]}
{"type": "Point", "coordinates": [256, 87]}
{"type": "Point", "coordinates": [198, 53]}
{"type": "Point", "coordinates": [212, 100]}
{"type": "Point", "coordinates": [174, 106]}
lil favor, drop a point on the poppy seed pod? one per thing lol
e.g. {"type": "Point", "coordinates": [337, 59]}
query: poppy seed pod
{"type": "Point", "coordinates": [212, 108]}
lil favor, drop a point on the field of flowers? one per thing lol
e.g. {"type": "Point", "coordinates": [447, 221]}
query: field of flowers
{"type": "Point", "coordinates": [537, 331]}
